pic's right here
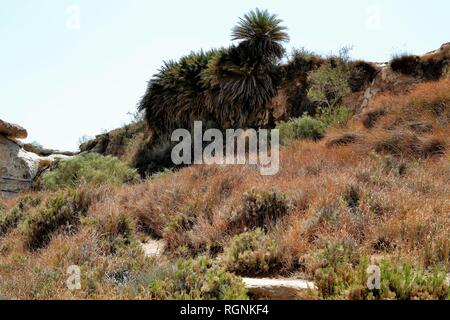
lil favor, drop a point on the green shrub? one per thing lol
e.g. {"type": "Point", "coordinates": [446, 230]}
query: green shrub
{"type": "Point", "coordinates": [260, 209]}
{"type": "Point", "coordinates": [406, 283]}
{"type": "Point", "coordinates": [329, 83]}
{"type": "Point", "coordinates": [198, 279]}
{"type": "Point", "coordinates": [341, 268]}
{"type": "Point", "coordinates": [339, 115]}
{"type": "Point", "coordinates": [343, 274]}
{"type": "Point", "coordinates": [251, 253]}
{"type": "Point", "coordinates": [91, 168]}
{"type": "Point", "coordinates": [305, 127]}
{"type": "Point", "coordinates": [62, 211]}
{"type": "Point", "coordinates": [10, 219]}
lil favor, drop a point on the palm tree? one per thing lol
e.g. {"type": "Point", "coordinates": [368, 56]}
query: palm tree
{"type": "Point", "coordinates": [230, 87]}
{"type": "Point", "coordinates": [262, 32]}
{"type": "Point", "coordinates": [246, 76]}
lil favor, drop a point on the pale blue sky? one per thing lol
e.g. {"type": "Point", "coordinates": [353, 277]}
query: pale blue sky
{"type": "Point", "coordinates": [61, 82]}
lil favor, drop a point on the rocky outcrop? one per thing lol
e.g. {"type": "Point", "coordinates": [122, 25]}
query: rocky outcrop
{"type": "Point", "coordinates": [12, 131]}
{"type": "Point", "coordinates": [117, 142]}
{"type": "Point", "coordinates": [18, 167]}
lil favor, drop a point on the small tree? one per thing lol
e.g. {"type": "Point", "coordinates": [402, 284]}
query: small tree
{"type": "Point", "coordinates": [329, 83]}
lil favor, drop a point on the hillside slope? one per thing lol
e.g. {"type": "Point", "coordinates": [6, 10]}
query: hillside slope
{"type": "Point", "coordinates": [374, 191]}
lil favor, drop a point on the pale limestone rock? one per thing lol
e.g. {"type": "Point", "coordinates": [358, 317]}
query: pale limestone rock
{"type": "Point", "coordinates": [18, 168]}
{"type": "Point", "coordinates": [153, 248]}
{"type": "Point", "coordinates": [277, 289]}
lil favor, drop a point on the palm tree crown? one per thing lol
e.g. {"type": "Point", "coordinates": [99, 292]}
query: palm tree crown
{"type": "Point", "coordinates": [261, 31]}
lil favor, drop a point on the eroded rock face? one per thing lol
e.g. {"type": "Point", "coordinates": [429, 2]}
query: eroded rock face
{"type": "Point", "coordinates": [18, 167]}
{"type": "Point", "coordinates": [11, 130]}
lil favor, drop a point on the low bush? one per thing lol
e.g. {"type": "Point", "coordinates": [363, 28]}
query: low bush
{"type": "Point", "coordinates": [115, 229]}
{"type": "Point", "coordinates": [62, 211]}
{"type": "Point", "coordinates": [403, 282]}
{"type": "Point", "coordinates": [92, 168]}
{"type": "Point", "coordinates": [251, 253]}
{"type": "Point", "coordinates": [408, 144]}
{"type": "Point", "coordinates": [10, 219]}
{"type": "Point", "coordinates": [198, 279]}
{"type": "Point", "coordinates": [343, 140]}
{"type": "Point", "coordinates": [338, 116]}
{"type": "Point", "coordinates": [344, 275]}
{"type": "Point", "coordinates": [329, 83]}
{"type": "Point", "coordinates": [361, 74]}
{"type": "Point", "coordinates": [406, 64]}
{"type": "Point", "coordinates": [340, 268]}
{"type": "Point", "coordinates": [370, 118]}
{"type": "Point", "coordinates": [305, 127]}
{"type": "Point", "coordinates": [260, 209]}
{"type": "Point", "coordinates": [429, 67]}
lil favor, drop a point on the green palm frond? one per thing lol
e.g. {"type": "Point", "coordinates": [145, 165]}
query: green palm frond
{"type": "Point", "coordinates": [231, 87]}
{"type": "Point", "coordinates": [261, 31]}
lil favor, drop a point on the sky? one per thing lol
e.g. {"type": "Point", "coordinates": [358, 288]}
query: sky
{"type": "Point", "coordinates": [73, 68]}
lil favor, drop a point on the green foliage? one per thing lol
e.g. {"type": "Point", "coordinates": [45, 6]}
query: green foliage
{"type": "Point", "coordinates": [10, 219]}
{"type": "Point", "coordinates": [62, 211]}
{"type": "Point", "coordinates": [305, 127]}
{"type": "Point", "coordinates": [230, 87]}
{"type": "Point", "coordinates": [338, 116]}
{"type": "Point", "coordinates": [329, 83]}
{"type": "Point", "coordinates": [343, 274]}
{"type": "Point", "coordinates": [262, 33]}
{"type": "Point", "coordinates": [91, 168]}
{"type": "Point", "coordinates": [176, 95]}
{"type": "Point", "coordinates": [340, 269]}
{"type": "Point", "coordinates": [198, 279]}
{"type": "Point", "coordinates": [260, 209]}
{"type": "Point", "coordinates": [406, 283]}
{"type": "Point", "coordinates": [251, 253]}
